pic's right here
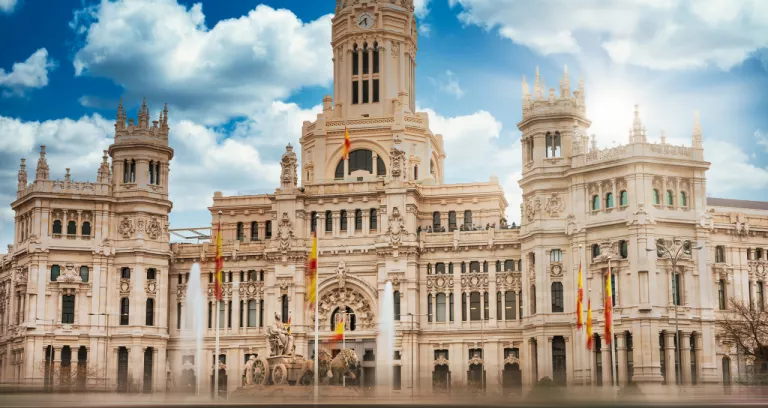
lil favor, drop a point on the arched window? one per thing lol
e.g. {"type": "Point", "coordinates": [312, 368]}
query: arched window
{"type": "Point", "coordinates": [133, 171]}
{"type": "Point", "coordinates": [450, 268]}
{"type": "Point", "coordinates": [559, 375]}
{"type": "Point", "coordinates": [157, 173]}
{"type": "Point", "coordinates": [150, 312]}
{"type": "Point", "coordinates": [415, 172]}
{"type": "Point", "coordinates": [240, 232]}
{"type": "Point", "coordinates": [463, 307]}
{"type": "Point", "coordinates": [623, 249]}
{"type": "Point", "coordinates": [609, 200]}
{"type": "Point", "coordinates": [396, 307]}
{"type": "Point", "coordinates": [254, 231]}
{"type": "Point", "coordinates": [509, 265]}
{"type": "Point", "coordinates": [252, 313]}
{"type": "Point", "coordinates": [623, 198]}
{"type": "Point", "coordinates": [125, 273]}
{"type": "Point", "coordinates": [56, 227]}
{"type": "Point", "coordinates": [68, 309]}
{"type": "Point", "coordinates": [86, 229]}
{"type": "Point", "coordinates": [485, 266]}
{"type": "Point", "coordinates": [451, 220]}
{"type": "Point", "coordinates": [595, 250]}
{"type": "Point", "coordinates": [268, 230]}
{"type": "Point", "coordinates": [71, 228]}
{"type": "Point", "coordinates": [429, 308]}
{"type": "Point", "coordinates": [313, 221]}
{"type": "Point", "coordinates": [440, 300]}
{"type": "Point", "coordinates": [328, 221]}
{"type": "Point", "coordinates": [721, 294]}
{"type": "Point", "coordinates": [151, 172]}
{"type": "Point", "coordinates": [355, 60]}
{"type": "Point", "coordinates": [343, 220]}
{"type": "Point", "coordinates": [436, 221]}
{"type": "Point", "coordinates": [595, 203]}
{"type": "Point", "coordinates": [361, 159]}
{"type": "Point", "coordinates": [720, 254]}
{"type": "Point", "coordinates": [347, 314]}
{"type": "Point", "coordinates": [533, 299]}
{"type": "Point", "coordinates": [670, 198]}
{"type": "Point", "coordinates": [84, 273]}
{"type": "Point", "coordinates": [429, 269]}
{"type": "Point", "coordinates": [467, 219]}
{"type": "Point", "coordinates": [474, 267]}
{"type": "Point", "coordinates": [440, 268]}
{"type": "Point", "coordinates": [683, 199]}
{"type": "Point", "coordinates": [358, 220]}
{"type": "Point", "coordinates": [375, 58]}
{"type": "Point", "coordinates": [55, 272]}
{"type": "Point", "coordinates": [366, 63]}
{"type": "Point", "coordinates": [125, 306]}
{"type": "Point", "coordinates": [463, 267]}
{"type": "Point", "coordinates": [450, 306]}
{"type": "Point", "coordinates": [126, 171]}
{"type": "Point", "coordinates": [373, 222]}
{"type": "Point", "coordinates": [509, 305]}
{"type": "Point", "coordinates": [553, 144]}
{"type": "Point", "coordinates": [151, 273]}
{"type": "Point", "coordinates": [557, 297]}
{"type": "Point", "coordinates": [656, 197]}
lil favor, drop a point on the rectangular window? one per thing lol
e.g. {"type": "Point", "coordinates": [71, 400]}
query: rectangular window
{"type": "Point", "coordinates": [498, 306]}
{"type": "Point", "coordinates": [313, 222]}
{"type": "Point", "coordinates": [252, 313]}
{"type": "Point", "coordinates": [178, 315]}
{"type": "Point", "coordinates": [509, 306]}
{"type": "Point", "coordinates": [760, 297]}
{"type": "Point", "coordinates": [556, 255]}
{"type": "Point", "coordinates": [721, 294]}
{"type": "Point", "coordinates": [261, 313]}
{"type": "Point", "coordinates": [376, 60]}
{"type": "Point", "coordinates": [365, 91]}
{"type": "Point", "coordinates": [675, 289]}
{"type": "Point", "coordinates": [463, 307]}
{"type": "Point", "coordinates": [355, 62]}
{"type": "Point", "coordinates": [441, 307]}
{"type": "Point", "coordinates": [68, 309]}
{"type": "Point", "coordinates": [355, 92]}
{"type": "Point", "coordinates": [429, 308]}
{"type": "Point", "coordinates": [229, 315]}
{"type": "Point", "coordinates": [486, 308]}
{"type": "Point", "coordinates": [366, 62]}
{"type": "Point", "coordinates": [375, 91]}
{"type": "Point", "coordinates": [343, 220]}
{"type": "Point", "coordinates": [474, 306]}
{"type": "Point", "coordinates": [450, 307]}
{"type": "Point", "coordinates": [373, 221]}
{"type": "Point", "coordinates": [240, 321]}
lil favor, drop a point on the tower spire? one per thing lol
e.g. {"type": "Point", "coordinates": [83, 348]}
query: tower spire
{"type": "Point", "coordinates": [697, 134]}
{"type": "Point", "coordinates": [42, 171]}
{"type": "Point", "coordinates": [23, 175]}
{"type": "Point", "coordinates": [565, 85]}
{"type": "Point", "coordinates": [537, 85]}
{"type": "Point", "coordinates": [638, 130]}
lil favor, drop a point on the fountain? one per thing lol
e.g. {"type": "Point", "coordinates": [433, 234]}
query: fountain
{"type": "Point", "coordinates": [386, 340]}
{"type": "Point", "coordinates": [192, 332]}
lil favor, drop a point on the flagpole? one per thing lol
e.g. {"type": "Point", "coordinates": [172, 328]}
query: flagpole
{"type": "Point", "coordinates": [580, 302]}
{"type": "Point", "coordinates": [344, 345]}
{"type": "Point", "coordinates": [614, 363]}
{"type": "Point", "coordinates": [216, 358]}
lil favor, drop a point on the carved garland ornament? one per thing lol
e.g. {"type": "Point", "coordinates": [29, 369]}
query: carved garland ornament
{"type": "Point", "coordinates": [125, 286]}
{"type": "Point", "coordinates": [153, 228]}
{"type": "Point", "coordinates": [439, 283]}
{"type": "Point", "coordinates": [339, 298]}
{"type": "Point", "coordinates": [284, 233]}
{"type": "Point", "coordinates": [511, 359]}
{"type": "Point", "coordinates": [509, 280]}
{"type": "Point", "coordinates": [555, 205]}
{"type": "Point", "coordinates": [532, 207]}
{"type": "Point", "coordinates": [474, 281]}
{"type": "Point", "coordinates": [396, 229]}
{"type": "Point", "coordinates": [441, 361]}
{"type": "Point", "coordinates": [252, 290]}
{"type": "Point", "coordinates": [556, 269]}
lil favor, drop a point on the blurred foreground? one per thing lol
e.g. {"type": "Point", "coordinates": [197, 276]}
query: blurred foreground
{"type": "Point", "coordinates": [349, 397]}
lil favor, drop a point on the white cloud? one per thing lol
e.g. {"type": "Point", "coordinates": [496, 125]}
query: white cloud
{"type": "Point", "coordinates": [421, 8]}
{"type": "Point", "coordinates": [473, 154]}
{"type": "Point", "coordinates": [7, 6]}
{"type": "Point", "coordinates": [658, 34]}
{"type": "Point", "coordinates": [449, 84]}
{"type": "Point", "coordinates": [762, 139]}
{"type": "Point", "coordinates": [165, 51]}
{"type": "Point", "coordinates": [732, 170]}
{"type": "Point", "coordinates": [30, 74]}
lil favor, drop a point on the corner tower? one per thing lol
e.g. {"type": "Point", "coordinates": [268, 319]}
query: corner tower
{"type": "Point", "coordinates": [374, 44]}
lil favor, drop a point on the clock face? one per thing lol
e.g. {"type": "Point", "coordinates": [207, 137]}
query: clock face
{"type": "Point", "coordinates": [365, 20]}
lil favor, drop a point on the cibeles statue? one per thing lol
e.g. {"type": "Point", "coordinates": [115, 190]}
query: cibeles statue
{"type": "Point", "coordinates": [280, 341]}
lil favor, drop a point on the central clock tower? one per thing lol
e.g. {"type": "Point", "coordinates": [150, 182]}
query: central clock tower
{"type": "Point", "coordinates": [374, 44]}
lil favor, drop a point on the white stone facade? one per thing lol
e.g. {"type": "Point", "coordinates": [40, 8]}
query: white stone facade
{"type": "Point", "coordinates": [465, 282]}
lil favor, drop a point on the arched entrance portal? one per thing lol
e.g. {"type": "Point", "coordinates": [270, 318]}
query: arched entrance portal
{"type": "Point", "coordinates": [476, 372]}
{"type": "Point", "coordinates": [512, 376]}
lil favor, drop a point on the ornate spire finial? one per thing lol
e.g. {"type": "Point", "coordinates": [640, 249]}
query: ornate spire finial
{"type": "Point", "coordinates": [42, 171]}
{"type": "Point", "coordinates": [67, 176]}
{"type": "Point", "coordinates": [537, 85]}
{"type": "Point", "coordinates": [23, 175]}
{"type": "Point", "coordinates": [526, 91]}
{"type": "Point", "coordinates": [103, 173]}
{"type": "Point", "coordinates": [638, 130]}
{"type": "Point", "coordinates": [697, 134]}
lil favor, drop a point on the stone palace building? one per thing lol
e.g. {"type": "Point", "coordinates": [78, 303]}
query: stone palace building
{"type": "Point", "coordinates": [92, 287]}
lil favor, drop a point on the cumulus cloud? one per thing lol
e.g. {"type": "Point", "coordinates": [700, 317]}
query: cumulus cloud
{"type": "Point", "coordinates": [762, 139]}
{"type": "Point", "coordinates": [658, 34]}
{"type": "Point", "coordinates": [732, 169]}
{"type": "Point", "coordinates": [421, 8]}
{"type": "Point", "coordinates": [165, 51]}
{"type": "Point", "coordinates": [7, 6]}
{"type": "Point", "coordinates": [30, 74]}
{"type": "Point", "coordinates": [448, 83]}
{"type": "Point", "coordinates": [474, 154]}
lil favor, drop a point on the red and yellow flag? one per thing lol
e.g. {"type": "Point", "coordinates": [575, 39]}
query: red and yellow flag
{"type": "Point", "coordinates": [311, 274]}
{"type": "Point", "coordinates": [219, 263]}
{"type": "Point", "coordinates": [608, 308]}
{"type": "Point", "coordinates": [347, 143]}
{"type": "Point", "coordinates": [288, 325]}
{"type": "Point", "coordinates": [579, 302]}
{"type": "Point", "coordinates": [338, 334]}
{"type": "Point", "coordinates": [589, 324]}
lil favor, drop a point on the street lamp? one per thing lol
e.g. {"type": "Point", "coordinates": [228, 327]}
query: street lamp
{"type": "Point", "coordinates": [482, 347]}
{"type": "Point", "coordinates": [674, 252]}
{"type": "Point", "coordinates": [49, 377]}
{"type": "Point", "coordinates": [413, 340]}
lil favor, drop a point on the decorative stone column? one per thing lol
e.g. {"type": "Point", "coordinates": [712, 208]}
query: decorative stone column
{"type": "Point", "coordinates": [685, 338]}
{"type": "Point", "coordinates": [621, 349]}
{"type": "Point", "coordinates": [605, 355]}
{"type": "Point", "coordinates": [669, 349]}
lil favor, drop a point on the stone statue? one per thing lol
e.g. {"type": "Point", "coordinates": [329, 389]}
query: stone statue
{"type": "Point", "coordinates": [248, 370]}
{"type": "Point", "coordinates": [280, 341]}
{"type": "Point", "coordinates": [168, 376]}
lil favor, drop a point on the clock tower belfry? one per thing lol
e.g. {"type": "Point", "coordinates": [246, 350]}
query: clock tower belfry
{"type": "Point", "coordinates": [374, 48]}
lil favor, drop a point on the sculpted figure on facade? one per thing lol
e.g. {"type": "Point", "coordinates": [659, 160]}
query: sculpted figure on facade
{"type": "Point", "coordinates": [397, 162]}
{"type": "Point", "coordinates": [284, 233]}
{"type": "Point", "coordinates": [126, 228]}
{"type": "Point", "coordinates": [280, 341]}
{"type": "Point", "coordinates": [396, 229]}
{"type": "Point", "coordinates": [153, 228]}
{"type": "Point", "coordinates": [341, 274]}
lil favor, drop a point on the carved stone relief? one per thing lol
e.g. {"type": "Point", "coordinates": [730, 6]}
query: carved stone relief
{"type": "Point", "coordinates": [341, 298]}
{"type": "Point", "coordinates": [555, 205]}
{"type": "Point", "coordinates": [126, 228]}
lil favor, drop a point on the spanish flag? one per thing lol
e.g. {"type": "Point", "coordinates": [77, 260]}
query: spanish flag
{"type": "Point", "coordinates": [311, 274]}
{"type": "Point", "coordinates": [589, 324]}
{"type": "Point", "coordinates": [338, 334]}
{"type": "Point", "coordinates": [219, 263]}
{"type": "Point", "coordinates": [608, 308]}
{"type": "Point", "coordinates": [288, 325]}
{"type": "Point", "coordinates": [347, 143]}
{"type": "Point", "coordinates": [579, 302]}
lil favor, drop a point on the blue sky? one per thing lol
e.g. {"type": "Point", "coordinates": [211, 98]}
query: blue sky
{"type": "Point", "coordinates": [237, 93]}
